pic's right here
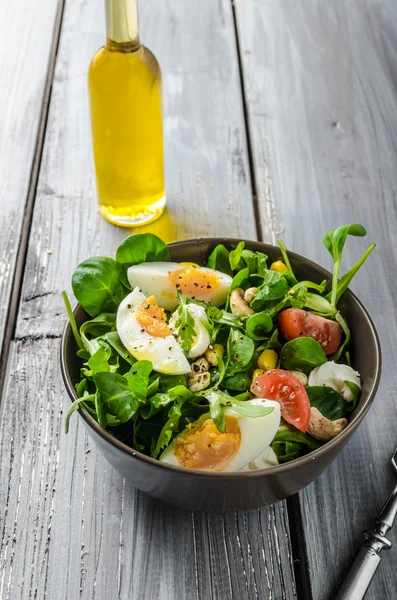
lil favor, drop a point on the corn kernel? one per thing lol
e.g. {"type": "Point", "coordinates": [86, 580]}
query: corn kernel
{"type": "Point", "coordinates": [256, 373]}
{"type": "Point", "coordinates": [211, 354]}
{"type": "Point", "coordinates": [279, 266]}
{"type": "Point", "coordinates": [267, 360]}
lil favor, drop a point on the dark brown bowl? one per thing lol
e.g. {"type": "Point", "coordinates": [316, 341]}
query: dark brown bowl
{"type": "Point", "coordinates": [201, 490]}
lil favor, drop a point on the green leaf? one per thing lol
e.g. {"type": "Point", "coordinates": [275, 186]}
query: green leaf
{"type": "Point", "coordinates": [140, 248]}
{"type": "Point", "coordinates": [235, 256]}
{"type": "Point", "coordinates": [240, 280]}
{"type": "Point", "coordinates": [290, 443]}
{"type": "Point", "coordinates": [250, 410]}
{"type": "Point", "coordinates": [138, 378]}
{"type": "Point", "coordinates": [274, 287]}
{"type": "Point", "coordinates": [116, 395]}
{"type": "Point", "coordinates": [100, 411]}
{"type": "Point", "coordinates": [72, 320]}
{"type": "Point", "coordinates": [336, 355]}
{"type": "Point", "coordinates": [186, 327]}
{"type": "Point", "coordinates": [217, 401]}
{"type": "Point", "coordinates": [344, 282]}
{"type": "Point", "coordinates": [319, 305]}
{"type": "Point", "coordinates": [284, 253]}
{"type": "Point", "coordinates": [99, 361]}
{"type": "Point", "coordinates": [96, 285]}
{"type": "Point", "coordinates": [221, 370]}
{"type": "Point", "coordinates": [240, 349]}
{"type": "Point", "coordinates": [302, 354]}
{"type": "Point", "coordinates": [114, 340]}
{"type": "Point", "coordinates": [334, 241]}
{"type": "Point", "coordinates": [356, 391]}
{"type": "Point", "coordinates": [92, 331]}
{"type": "Point", "coordinates": [327, 401]}
{"type": "Point", "coordinates": [239, 382]}
{"type": "Point", "coordinates": [258, 326]}
{"type": "Point", "coordinates": [75, 405]}
{"type": "Point", "coordinates": [219, 260]}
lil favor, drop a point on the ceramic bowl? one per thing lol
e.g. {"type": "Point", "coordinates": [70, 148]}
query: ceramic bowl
{"type": "Point", "coordinates": [209, 491]}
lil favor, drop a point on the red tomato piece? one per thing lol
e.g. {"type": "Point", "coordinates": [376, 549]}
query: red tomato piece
{"type": "Point", "coordinates": [295, 322]}
{"type": "Point", "coordinates": [287, 390]}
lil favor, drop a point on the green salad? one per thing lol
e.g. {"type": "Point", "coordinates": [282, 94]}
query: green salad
{"type": "Point", "coordinates": [233, 365]}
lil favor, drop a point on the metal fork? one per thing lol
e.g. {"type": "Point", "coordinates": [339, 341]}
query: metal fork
{"type": "Point", "coordinates": [360, 575]}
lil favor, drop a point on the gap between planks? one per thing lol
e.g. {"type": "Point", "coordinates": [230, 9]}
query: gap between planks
{"type": "Point", "coordinates": [19, 272]}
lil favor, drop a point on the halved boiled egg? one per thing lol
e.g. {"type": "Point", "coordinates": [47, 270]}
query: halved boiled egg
{"type": "Point", "coordinates": [202, 446]}
{"type": "Point", "coordinates": [143, 329]}
{"type": "Point", "coordinates": [162, 279]}
{"type": "Point", "coordinates": [202, 339]}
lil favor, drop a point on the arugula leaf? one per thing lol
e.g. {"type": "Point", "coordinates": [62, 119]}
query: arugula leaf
{"type": "Point", "coordinates": [96, 285]}
{"type": "Point", "coordinates": [116, 395]}
{"type": "Point", "coordinates": [302, 354]}
{"type": "Point", "coordinates": [250, 410]}
{"type": "Point", "coordinates": [217, 401]}
{"type": "Point", "coordinates": [138, 378]}
{"type": "Point", "coordinates": [186, 327]}
{"type": "Point", "coordinates": [140, 248]}
{"type": "Point", "coordinates": [219, 260]}
{"type": "Point", "coordinates": [99, 361]}
{"type": "Point", "coordinates": [240, 349]}
{"type": "Point", "coordinates": [222, 317]}
{"type": "Point", "coordinates": [334, 241]}
{"type": "Point", "coordinates": [327, 401]}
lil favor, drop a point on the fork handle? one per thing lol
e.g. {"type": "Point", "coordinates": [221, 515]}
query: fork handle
{"type": "Point", "coordinates": [360, 575]}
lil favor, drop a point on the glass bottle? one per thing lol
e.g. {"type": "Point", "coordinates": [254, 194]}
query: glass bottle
{"type": "Point", "coordinates": [126, 119]}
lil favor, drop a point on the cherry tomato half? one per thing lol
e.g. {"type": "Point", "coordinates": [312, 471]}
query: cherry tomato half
{"type": "Point", "coordinates": [287, 390]}
{"type": "Point", "coordinates": [295, 322]}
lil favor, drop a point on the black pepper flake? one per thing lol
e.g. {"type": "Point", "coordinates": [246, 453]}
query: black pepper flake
{"type": "Point", "coordinates": [196, 284]}
{"type": "Point", "coordinates": [208, 287]}
{"type": "Point", "coordinates": [129, 306]}
{"type": "Point", "coordinates": [170, 348]}
{"type": "Point", "coordinates": [228, 403]}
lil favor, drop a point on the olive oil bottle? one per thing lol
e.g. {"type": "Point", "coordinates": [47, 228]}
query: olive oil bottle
{"type": "Point", "coordinates": [126, 120]}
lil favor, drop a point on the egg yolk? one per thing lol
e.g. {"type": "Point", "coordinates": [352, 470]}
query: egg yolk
{"type": "Point", "coordinates": [194, 282]}
{"type": "Point", "coordinates": [152, 318]}
{"type": "Point", "coordinates": [203, 447]}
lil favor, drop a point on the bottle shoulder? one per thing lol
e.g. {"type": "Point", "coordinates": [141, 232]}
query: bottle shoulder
{"type": "Point", "coordinates": [140, 59]}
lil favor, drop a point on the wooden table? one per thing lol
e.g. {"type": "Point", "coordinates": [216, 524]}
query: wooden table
{"type": "Point", "coordinates": [279, 116]}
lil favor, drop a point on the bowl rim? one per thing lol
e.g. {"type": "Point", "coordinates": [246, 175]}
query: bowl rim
{"type": "Point", "coordinates": [233, 475]}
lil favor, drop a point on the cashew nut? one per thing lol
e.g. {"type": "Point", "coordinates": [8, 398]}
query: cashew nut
{"type": "Point", "coordinates": [198, 381]}
{"type": "Point", "coordinates": [238, 305]}
{"type": "Point", "coordinates": [200, 365]}
{"type": "Point", "coordinates": [250, 294]}
{"type": "Point", "coordinates": [211, 354]}
{"type": "Point", "coordinates": [300, 376]}
{"type": "Point", "coordinates": [324, 429]}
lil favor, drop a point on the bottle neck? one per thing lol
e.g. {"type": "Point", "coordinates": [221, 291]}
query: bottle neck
{"type": "Point", "coordinates": [122, 25]}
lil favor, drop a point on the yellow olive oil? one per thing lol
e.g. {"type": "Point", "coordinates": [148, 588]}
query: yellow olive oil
{"type": "Point", "coordinates": [126, 120]}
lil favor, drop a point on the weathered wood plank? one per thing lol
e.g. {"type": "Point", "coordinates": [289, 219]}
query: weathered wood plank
{"type": "Point", "coordinates": [26, 34]}
{"type": "Point", "coordinates": [321, 97]}
{"type": "Point", "coordinates": [73, 529]}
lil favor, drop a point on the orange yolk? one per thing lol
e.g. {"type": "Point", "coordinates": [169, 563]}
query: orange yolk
{"type": "Point", "coordinates": [194, 282]}
{"type": "Point", "coordinates": [152, 318]}
{"type": "Point", "coordinates": [203, 447]}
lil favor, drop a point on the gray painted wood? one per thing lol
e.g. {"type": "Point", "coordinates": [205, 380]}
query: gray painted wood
{"type": "Point", "coordinates": [320, 82]}
{"type": "Point", "coordinates": [26, 33]}
{"type": "Point", "coordinates": [72, 528]}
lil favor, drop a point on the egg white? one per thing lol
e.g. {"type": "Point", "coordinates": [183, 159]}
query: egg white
{"type": "Point", "coordinates": [257, 434]}
{"type": "Point", "coordinates": [164, 353]}
{"type": "Point", "coordinates": [202, 339]}
{"type": "Point", "coordinates": [152, 279]}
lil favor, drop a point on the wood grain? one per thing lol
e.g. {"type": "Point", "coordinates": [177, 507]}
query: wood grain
{"type": "Point", "coordinates": [321, 97]}
{"type": "Point", "coordinates": [26, 34]}
{"type": "Point", "coordinates": [72, 528]}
